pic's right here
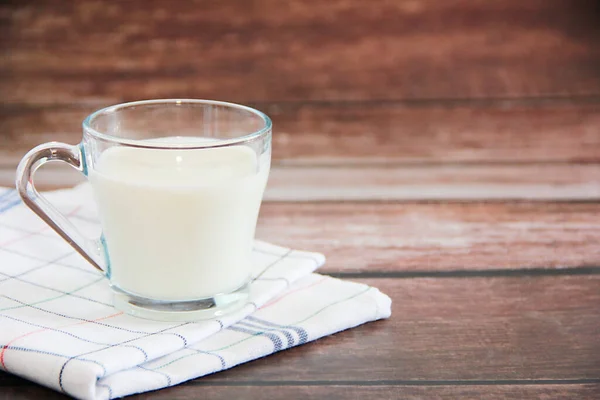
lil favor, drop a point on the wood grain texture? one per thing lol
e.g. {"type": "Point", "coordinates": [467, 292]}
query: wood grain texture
{"type": "Point", "coordinates": [455, 329]}
{"type": "Point", "coordinates": [390, 392]}
{"type": "Point", "coordinates": [373, 132]}
{"type": "Point", "coordinates": [435, 182]}
{"type": "Point", "coordinates": [488, 330]}
{"type": "Point", "coordinates": [75, 52]}
{"type": "Point", "coordinates": [437, 132]}
{"type": "Point", "coordinates": [367, 237]}
{"type": "Point", "coordinates": [341, 392]}
{"type": "Point", "coordinates": [413, 239]}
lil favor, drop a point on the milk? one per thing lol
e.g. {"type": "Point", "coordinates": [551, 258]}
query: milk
{"type": "Point", "coordinates": [179, 224]}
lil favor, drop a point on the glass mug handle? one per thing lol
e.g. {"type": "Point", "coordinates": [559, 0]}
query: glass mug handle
{"type": "Point", "coordinates": [35, 158]}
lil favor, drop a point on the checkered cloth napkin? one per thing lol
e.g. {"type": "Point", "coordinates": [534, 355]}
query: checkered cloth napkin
{"type": "Point", "coordinates": [58, 327]}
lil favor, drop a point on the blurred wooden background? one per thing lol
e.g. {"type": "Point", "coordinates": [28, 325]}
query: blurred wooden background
{"type": "Point", "coordinates": [415, 99]}
{"type": "Point", "coordinates": [382, 111]}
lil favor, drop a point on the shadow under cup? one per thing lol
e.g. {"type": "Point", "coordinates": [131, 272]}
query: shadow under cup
{"type": "Point", "coordinates": [178, 186]}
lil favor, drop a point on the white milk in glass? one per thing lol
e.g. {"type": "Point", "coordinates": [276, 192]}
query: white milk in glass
{"type": "Point", "coordinates": [179, 224]}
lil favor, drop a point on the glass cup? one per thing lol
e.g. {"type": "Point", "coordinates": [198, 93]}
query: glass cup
{"type": "Point", "coordinates": [178, 186]}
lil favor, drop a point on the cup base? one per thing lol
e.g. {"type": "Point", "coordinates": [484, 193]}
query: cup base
{"type": "Point", "coordinates": [186, 310]}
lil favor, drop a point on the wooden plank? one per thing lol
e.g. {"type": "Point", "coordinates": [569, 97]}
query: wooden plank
{"type": "Point", "coordinates": [455, 329]}
{"type": "Point", "coordinates": [391, 392]}
{"type": "Point", "coordinates": [423, 238]}
{"type": "Point", "coordinates": [431, 238]}
{"type": "Point", "coordinates": [373, 132]}
{"type": "Point", "coordinates": [435, 182]}
{"type": "Point", "coordinates": [399, 183]}
{"type": "Point", "coordinates": [498, 330]}
{"type": "Point", "coordinates": [367, 237]}
{"type": "Point", "coordinates": [437, 132]}
{"type": "Point", "coordinates": [73, 52]}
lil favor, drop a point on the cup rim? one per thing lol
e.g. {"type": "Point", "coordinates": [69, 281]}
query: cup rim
{"type": "Point", "coordinates": [87, 128]}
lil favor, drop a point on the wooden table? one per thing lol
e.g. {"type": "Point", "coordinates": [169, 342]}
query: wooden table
{"type": "Point", "coordinates": [446, 152]}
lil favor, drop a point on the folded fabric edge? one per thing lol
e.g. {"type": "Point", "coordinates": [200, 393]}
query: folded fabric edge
{"type": "Point", "coordinates": [384, 304]}
{"type": "Point", "coordinates": [368, 296]}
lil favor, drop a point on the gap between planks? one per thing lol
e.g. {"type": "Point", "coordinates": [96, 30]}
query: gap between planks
{"type": "Point", "coordinates": [477, 273]}
{"type": "Point", "coordinates": [335, 392]}
{"type": "Point", "coordinates": [492, 382]}
{"type": "Point", "coordinates": [8, 380]}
